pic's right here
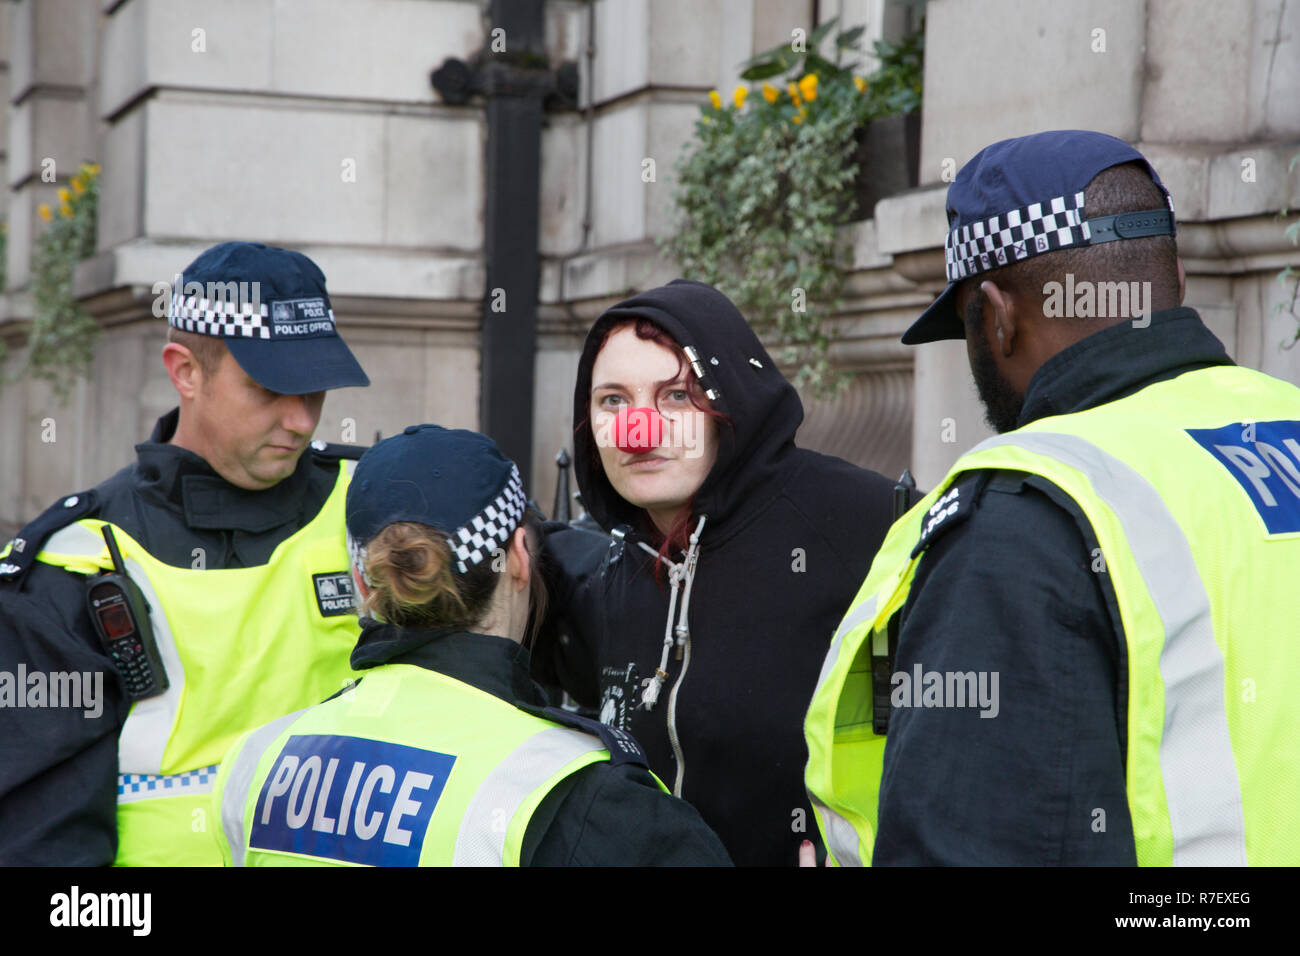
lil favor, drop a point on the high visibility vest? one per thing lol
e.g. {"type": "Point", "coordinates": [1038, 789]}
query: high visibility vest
{"type": "Point", "coordinates": [240, 646]}
{"type": "Point", "coordinates": [409, 767]}
{"type": "Point", "coordinates": [1192, 487]}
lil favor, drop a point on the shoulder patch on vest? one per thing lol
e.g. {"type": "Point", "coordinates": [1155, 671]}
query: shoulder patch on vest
{"type": "Point", "coordinates": [621, 745]}
{"type": "Point", "coordinates": [952, 508]}
{"type": "Point", "coordinates": [327, 449]}
{"type": "Point", "coordinates": [20, 553]}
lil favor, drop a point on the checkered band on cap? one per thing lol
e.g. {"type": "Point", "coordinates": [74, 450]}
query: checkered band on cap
{"type": "Point", "coordinates": [357, 552]}
{"type": "Point", "coordinates": [475, 541]}
{"type": "Point", "coordinates": [1009, 237]}
{"type": "Point", "coordinates": [218, 317]}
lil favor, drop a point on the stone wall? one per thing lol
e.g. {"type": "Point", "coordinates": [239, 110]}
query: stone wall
{"type": "Point", "coordinates": [313, 125]}
{"type": "Point", "coordinates": [1206, 90]}
{"type": "Point", "coordinates": [303, 124]}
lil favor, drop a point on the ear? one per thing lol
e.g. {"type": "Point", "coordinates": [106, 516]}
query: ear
{"type": "Point", "coordinates": [1000, 311]}
{"type": "Point", "coordinates": [1182, 281]}
{"type": "Point", "coordinates": [519, 564]}
{"type": "Point", "coordinates": [183, 369]}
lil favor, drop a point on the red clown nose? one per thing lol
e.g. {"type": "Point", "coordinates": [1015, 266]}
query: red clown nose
{"type": "Point", "coordinates": [637, 430]}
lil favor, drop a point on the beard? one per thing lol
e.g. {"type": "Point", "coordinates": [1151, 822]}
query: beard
{"type": "Point", "coordinates": [1002, 404]}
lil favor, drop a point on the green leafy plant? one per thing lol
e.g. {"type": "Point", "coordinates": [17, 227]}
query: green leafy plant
{"type": "Point", "coordinates": [61, 341]}
{"type": "Point", "coordinates": [769, 176]}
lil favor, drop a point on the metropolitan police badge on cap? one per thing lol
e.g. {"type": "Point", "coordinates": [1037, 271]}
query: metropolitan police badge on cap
{"type": "Point", "coordinates": [301, 318]}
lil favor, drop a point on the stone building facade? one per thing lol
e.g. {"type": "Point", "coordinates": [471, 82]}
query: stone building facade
{"type": "Point", "coordinates": [313, 125]}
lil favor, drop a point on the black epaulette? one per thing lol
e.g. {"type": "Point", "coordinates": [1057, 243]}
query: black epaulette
{"type": "Point", "coordinates": [20, 553]}
{"type": "Point", "coordinates": [333, 450]}
{"type": "Point", "coordinates": [953, 507]}
{"type": "Point", "coordinates": [621, 745]}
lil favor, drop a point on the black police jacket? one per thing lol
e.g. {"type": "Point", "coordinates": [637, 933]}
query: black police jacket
{"type": "Point", "coordinates": [58, 766]}
{"type": "Point", "coordinates": [606, 814]}
{"type": "Point", "coordinates": [1008, 587]}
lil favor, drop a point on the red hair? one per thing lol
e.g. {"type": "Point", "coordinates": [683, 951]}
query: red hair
{"type": "Point", "coordinates": [678, 536]}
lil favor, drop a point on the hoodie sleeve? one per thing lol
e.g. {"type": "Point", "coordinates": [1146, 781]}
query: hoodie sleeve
{"type": "Point", "coordinates": [564, 654]}
{"type": "Point", "coordinates": [852, 509]}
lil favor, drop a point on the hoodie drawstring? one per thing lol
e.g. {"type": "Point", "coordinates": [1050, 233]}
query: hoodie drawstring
{"type": "Point", "coordinates": [685, 571]}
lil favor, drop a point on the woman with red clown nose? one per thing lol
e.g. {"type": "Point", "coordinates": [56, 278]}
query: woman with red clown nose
{"type": "Point", "coordinates": [702, 627]}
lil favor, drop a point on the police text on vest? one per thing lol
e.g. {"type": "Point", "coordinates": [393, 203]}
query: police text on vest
{"type": "Point", "coordinates": [1264, 459]}
{"type": "Point", "coordinates": [349, 799]}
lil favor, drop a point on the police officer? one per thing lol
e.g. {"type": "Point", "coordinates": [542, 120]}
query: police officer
{"type": "Point", "coordinates": [230, 526]}
{"type": "Point", "coordinates": [444, 753]}
{"type": "Point", "coordinates": [1095, 661]}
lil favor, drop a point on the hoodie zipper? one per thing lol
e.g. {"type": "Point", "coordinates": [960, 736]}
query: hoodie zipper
{"type": "Point", "coordinates": [681, 636]}
{"type": "Point", "coordinates": [672, 721]}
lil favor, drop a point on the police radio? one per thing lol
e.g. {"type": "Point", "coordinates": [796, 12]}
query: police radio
{"type": "Point", "coordinates": [121, 618]}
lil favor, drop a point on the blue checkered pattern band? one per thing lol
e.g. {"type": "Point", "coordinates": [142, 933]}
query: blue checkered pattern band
{"type": "Point", "coordinates": [219, 317]}
{"type": "Point", "coordinates": [1028, 231]}
{"type": "Point", "coordinates": [148, 786]}
{"type": "Point", "coordinates": [490, 528]}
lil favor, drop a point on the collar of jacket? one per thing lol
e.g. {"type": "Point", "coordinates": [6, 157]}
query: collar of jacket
{"type": "Point", "coordinates": [189, 485]}
{"type": "Point", "coordinates": [1120, 360]}
{"type": "Point", "coordinates": [496, 665]}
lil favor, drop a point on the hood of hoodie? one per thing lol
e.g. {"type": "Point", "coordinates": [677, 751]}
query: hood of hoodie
{"type": "Point", "coordinates": [764, 408]}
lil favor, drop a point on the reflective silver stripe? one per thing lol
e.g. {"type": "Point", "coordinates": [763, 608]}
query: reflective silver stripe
{"type": "Point", "coordinates": [1196, 760]}
{"type": "Point", "coordinates": [864, 612]}
{"type": "Point", "coordinates": [841, 836]}
{"type": "Point", "coordinates": [481, 840]}
{"type": "Point", "coordinates": [149, 724]}
{"type": "Point", "coordinates": [240, 778]}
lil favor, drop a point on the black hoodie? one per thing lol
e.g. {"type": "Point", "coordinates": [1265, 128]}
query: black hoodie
{"type": "Point", "coordinates": [787, 542]}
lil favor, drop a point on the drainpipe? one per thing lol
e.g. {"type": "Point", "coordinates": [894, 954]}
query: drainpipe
{"type": "Point", "coordinates": [512, 74]}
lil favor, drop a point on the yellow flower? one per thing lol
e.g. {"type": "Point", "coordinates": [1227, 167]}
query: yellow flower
{"type": "Point", "coordinates": [861, 83]}
{"type": "Point", "coordinates": [716, 99]}
{"type": "Point", "coordinates": [44, 210]}
{"type": "Point", "coordinates": [738, 95]}
{"type": "Point", "coordinates": [78, 186]}
{"type": "Point", "coordinates": [92, 169]}
{"type": "Point", "coordinates": [797, 118]}
{"type": "Point", "coordinates": [65, 211]}
{"type": "Point", "coordinates": [64, 196]}
{"type": "Point", "coordinates": [770, 92]}
{"type": "Point", "coordinates": [793, 89]}
{"type": "Point", "coordinates": [808, 87]}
